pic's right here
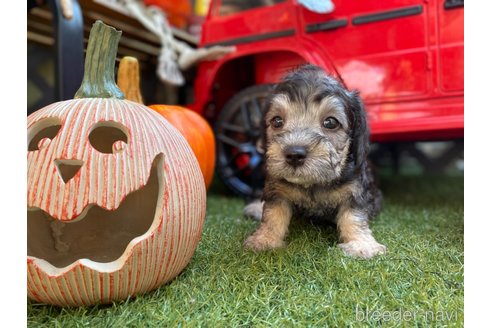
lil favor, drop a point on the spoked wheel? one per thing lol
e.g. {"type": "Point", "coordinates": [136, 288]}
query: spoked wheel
{"type": "Point", "coordinates": [238, 131]}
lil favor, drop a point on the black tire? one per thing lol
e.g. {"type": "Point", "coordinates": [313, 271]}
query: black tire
{"type": "Point", "coordinates": [238, 131]}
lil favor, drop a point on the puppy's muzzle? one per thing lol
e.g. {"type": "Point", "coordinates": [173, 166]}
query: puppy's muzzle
{"type": "Point", "coordinates": [295, 155]}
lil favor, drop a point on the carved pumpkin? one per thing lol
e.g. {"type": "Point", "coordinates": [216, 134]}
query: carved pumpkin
{"type": "Point", "coordinates": [116, 199]}
{"type": "Point", "coordinates": [197, 132]}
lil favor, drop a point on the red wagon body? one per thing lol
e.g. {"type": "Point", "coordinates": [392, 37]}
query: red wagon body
{"type": "Point", "coordinates": [404, 56]}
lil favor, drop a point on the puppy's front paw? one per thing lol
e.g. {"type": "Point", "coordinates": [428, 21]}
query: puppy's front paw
{"type": "Point", "coordinates": [254, 210]}
{"type": "Point", "coordinates": [262, 242]}
{"type": "Point", "coordinates": [362, 248]}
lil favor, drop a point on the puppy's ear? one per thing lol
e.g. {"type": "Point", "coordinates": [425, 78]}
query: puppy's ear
{"type": "Point", "coordinates": [359, 147]}
{"type": "Point", "coordinates": [266, 106]}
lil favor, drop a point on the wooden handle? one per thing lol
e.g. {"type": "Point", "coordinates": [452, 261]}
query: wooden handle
{"type": "Point", "coordinates": [129, 79]}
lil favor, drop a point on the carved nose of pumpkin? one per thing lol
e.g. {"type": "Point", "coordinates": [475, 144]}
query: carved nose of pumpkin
{"type": "Point", "coordinates": [67, 168]}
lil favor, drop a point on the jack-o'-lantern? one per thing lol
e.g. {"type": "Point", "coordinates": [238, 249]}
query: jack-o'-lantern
{"type": "Point", "coordinates": [116, 199]}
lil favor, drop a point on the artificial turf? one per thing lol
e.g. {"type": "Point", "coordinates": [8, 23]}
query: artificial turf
{"type": "Point", "coordinates": [419, 283]}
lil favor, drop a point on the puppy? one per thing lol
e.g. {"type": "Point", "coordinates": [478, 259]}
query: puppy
{"type": "Point", "coordinates": [316, 142]}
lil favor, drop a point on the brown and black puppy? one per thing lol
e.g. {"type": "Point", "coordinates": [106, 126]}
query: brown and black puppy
{"type": "Point", "coordinates": [316, 142]}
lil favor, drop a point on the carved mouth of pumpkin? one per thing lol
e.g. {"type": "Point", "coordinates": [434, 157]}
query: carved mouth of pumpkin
{"type": "Point", "coordinates": [97, 234]}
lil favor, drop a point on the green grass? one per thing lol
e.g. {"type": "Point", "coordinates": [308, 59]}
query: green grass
{"type": "Point", "coordinates": [310, 283]}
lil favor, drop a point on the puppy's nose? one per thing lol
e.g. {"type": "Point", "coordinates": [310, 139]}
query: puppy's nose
{"type": "Point", "coordinates": [295, 155]}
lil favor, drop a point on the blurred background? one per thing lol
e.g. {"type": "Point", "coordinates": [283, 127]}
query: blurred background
{"type": "Point", "coordinates": [431, 71]}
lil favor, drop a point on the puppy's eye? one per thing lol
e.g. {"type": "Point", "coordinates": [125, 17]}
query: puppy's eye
{"type": "Point", "coordinates": [331, 123]}
{"type": "Point", "coordinates": [277, 122]}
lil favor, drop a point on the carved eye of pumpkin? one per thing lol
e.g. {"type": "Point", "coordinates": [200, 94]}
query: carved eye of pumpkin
{"type": "Point", "coordinates": [108, 137]}
{"type": "Point", "coordinates": [40, 134]}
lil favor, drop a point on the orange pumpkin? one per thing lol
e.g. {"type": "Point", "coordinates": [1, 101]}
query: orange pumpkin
{"type": "Point", "coordinates": [177, 11]}
{"type": "Point", "coordinates": [192, 126]}
{"type": "Point", "coordinates": [197, 132]}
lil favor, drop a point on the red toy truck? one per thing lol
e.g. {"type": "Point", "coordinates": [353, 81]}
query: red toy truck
{"type": "Point", "coordinates": [404, 56]}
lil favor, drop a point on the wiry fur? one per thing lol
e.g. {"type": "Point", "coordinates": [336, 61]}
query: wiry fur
{"type": "Point", "coordinates": [335, 181]}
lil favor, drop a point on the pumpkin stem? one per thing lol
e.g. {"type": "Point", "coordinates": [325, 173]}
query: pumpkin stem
{"type": "Point", "coordinates": [98, 81]}
{"type": "Point", "coordinates": [129, 79]}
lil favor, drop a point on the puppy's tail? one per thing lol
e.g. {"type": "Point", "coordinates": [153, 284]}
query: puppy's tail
{"type": "Point", "coordinates": [254, 210]}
